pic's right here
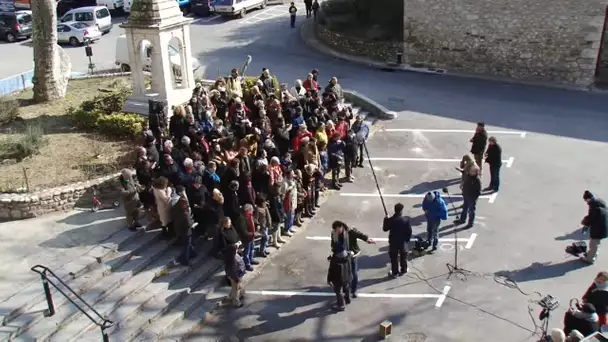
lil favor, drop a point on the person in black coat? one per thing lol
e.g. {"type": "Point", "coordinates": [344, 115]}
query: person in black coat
{"type": "Point", "coordinates": [339, 274]}
{"type": "Point", "coordinates": [232, 173]}
{"type": "Point", "coordinates": [400, 234]}
{"type": "Point", "coordinates": [494, 160]}
{"type": "Point", "coordinates": [584, 319]}
{"type": "Point", "coordinates": [211, 180]}
{"type": "Point", "coordinates": [183, 223]}
{"type": "Point", "coordinates": [198, 196]}
{"type": "Point", "coordinates": [350, 155]}
{"type": "Point", "coordinates": [169, 170]}
{"type": "Point", "coordinates": [478, 143]}
{"type": "Point", "coordinates": [597, 294]}
{"type": "Point", "coordinates": [232, 207]}
{"type": "Point", "coordinates": [596, 222]}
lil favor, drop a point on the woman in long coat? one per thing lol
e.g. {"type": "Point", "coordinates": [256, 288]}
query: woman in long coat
{"type": "Point", "coordinates": [130, 198]}
{"type": "Point", "coordinates": [162, 196]}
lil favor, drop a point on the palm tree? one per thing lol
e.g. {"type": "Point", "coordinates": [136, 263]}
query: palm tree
{"type": "Point", "coordinates": [50, 79]}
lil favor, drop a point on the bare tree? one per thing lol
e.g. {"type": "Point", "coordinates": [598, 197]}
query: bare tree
{"type": "Point", "coordinates": [50, 79]}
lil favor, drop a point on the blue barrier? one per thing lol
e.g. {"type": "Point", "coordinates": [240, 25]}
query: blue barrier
{"type": "Point", "coordinates": [16, 83]}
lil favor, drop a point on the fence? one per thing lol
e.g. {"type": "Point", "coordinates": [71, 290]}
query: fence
{"type": "Point", "coordinates": [16, 83]}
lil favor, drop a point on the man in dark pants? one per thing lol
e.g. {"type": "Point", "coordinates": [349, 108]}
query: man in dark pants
{"type": "Point", "coordinates": [478, 143]}
{"type": "Point", "coordinates": [596, 222]}
{"type": "Point", "coordinates": [341, 233]}
{"type": "Point", "coordinates": [400, 233]}
{"type": "Point", "coordinates": [471, 189]}
{"type": "Point", "coordinates": [308, 4]}
{"type": "Point", "coordinates": [315, 9]}
{"type": "Point", "coordinates": [362, 132]}
{"type": "Point", "coordinates": [292, 15]}
{"type": "Point", "coordinates": [494, 159]}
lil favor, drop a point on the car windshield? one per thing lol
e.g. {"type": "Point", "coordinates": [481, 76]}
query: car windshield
{"type": "Point", "coordinates": [24, 19]}
{"type": "Point", "coordinates": [79, 26]}
{"type": "Point", "coordinates": [224, 3]}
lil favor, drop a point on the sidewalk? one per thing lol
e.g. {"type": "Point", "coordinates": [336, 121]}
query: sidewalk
{"type": "Point", "coordinates": [52, 240]}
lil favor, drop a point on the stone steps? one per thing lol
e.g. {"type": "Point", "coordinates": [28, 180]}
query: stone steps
{"type": "Point", "coordinates": [27, 304]}
{"type": "Point", "coordinates": [97, 285]}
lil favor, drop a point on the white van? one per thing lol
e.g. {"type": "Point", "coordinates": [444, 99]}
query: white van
{"type": "Point", "coordinates": [112, 5]}
{"type": "Point", "coordinates": [237, 7]}
{"type": "Point", "coordinates": [122, 56]}
{"type": "Point", "coordinates": [127, 6]}
{"type": "Point", "coordinates": [93, 16]}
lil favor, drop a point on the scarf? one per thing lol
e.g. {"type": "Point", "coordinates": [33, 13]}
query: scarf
{"type": "Point", "coordinates": [214, 176]}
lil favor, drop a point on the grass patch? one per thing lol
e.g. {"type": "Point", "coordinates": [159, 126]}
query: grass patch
{"type": "Point", "coordinates": [65, 153]}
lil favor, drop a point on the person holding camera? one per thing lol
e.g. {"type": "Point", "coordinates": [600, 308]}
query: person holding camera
{"type": "Point", "coordinates": [400, 234]}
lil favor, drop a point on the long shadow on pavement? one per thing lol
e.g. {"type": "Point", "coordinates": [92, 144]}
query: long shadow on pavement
{"type": "Point", "coordinates": [546, 270]}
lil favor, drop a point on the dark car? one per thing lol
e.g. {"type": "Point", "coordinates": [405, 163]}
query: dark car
{"type": "Point", "coordinates": [15, 25]}
{"type": "Point", "coordinates": [201, 8]}
{"type": "Point", "coordinates": [63, 6]}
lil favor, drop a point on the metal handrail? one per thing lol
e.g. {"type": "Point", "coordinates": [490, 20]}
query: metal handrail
{"type": "Point", "coordinates": [44, 272]}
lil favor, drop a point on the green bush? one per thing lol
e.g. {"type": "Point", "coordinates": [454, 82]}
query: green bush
{"type": "Point", "coordinates": [84, 119]}
{"type": "Point", "coordinates": [107, 103]}
{"type": "Point", "coordinates": [251, 80]}
{"type": "Point", "coordinates": [120, 125]}
{"type": "Point", "coordinates": [21, 146]}
{"type": "Point", "coordinates": [9, 110]}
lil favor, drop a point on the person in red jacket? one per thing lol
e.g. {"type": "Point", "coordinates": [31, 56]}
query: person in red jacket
{"type": "Point", "coordinates": [342, 128]}
{"type": "Point", "coordinates": [310, 84]}
{"type": "Point", "coordinates": [330, 129]}
{"type": "Point", "coordinates": [248, 245]}
{"type": "Point", "coordinates": [297, 141]}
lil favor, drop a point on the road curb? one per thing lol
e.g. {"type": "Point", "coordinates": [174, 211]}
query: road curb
{"type": "Point", "coordinates": [374, 108]}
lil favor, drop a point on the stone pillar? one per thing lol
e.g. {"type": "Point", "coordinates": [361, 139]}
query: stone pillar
{"type": "Point", "coordinates": [186, 51]}
{"type": "Point", "coordinates": [137, 76]}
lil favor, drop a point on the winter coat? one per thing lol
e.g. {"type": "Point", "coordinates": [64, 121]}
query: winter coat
{"type": "Point", "coordinates": [129, 195]}
{"type": "Point", "coordinates": [340, 271]}
{"type": "Point", "coordinates": [163, 205]}
{"type": "Point", "coordinates": [479, 141]}
{"type": "Point", "coordinates": [598, 296]}
{"type": "Point", "coordinates": [494, 155]}
{"type": "Point", "coordinates": [211, 180]}
{"type": "Point", "coordinates": [250, 226]}
{"type": "Point", "coordinates": [353, 236]}
{"type": "Point", "coordinates": [435, 209]}
{"type": "Point", "coordinates": [182, 217]}
{"type": "Point", "coordinates": [171, 172]}
{"type": "Point", "coordinates": [310, 86]}
{"type": "Point", "coordinates": [232, 207]}
{"type": "Point", "coordinates": [335, 149]}
{"type": "Point", "coordinates": [597, 219]}
{"type": "Point", "coordinates": [471, 186]}
{"type": "Point", "coordinates": [361, 132]}
{"type": "Point", "coordinates": [336, 90]}
{"type": "Point", "coordinates": [261, 217]}
{"type": "Point", "coordinates": [290, 190]}
{"type": "Point", "coordinates": [350, 148]}
{"type": "Point", "coordinates": [399, 229]}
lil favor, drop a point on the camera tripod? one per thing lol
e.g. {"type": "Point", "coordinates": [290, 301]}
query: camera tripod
{"type": "Point", "coordinates": [453, 268]}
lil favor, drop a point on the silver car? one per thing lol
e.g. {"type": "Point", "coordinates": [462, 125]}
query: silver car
{"type": "Point", "coordinates": [75, 33]}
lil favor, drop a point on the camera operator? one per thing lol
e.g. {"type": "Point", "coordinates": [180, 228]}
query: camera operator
{"type": "Point", "coordinates": [342, 234]}
{"type": "Point", "coordinates": [597, 294]}
{"type": "Point", "coordinates": [584, 319]}
{"type": "Point", "coordinates": [400, 233]}
{"type": "Point", "coordinates": [596, 222]}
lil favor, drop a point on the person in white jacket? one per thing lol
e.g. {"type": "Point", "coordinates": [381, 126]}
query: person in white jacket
{"type": "Point", "coordinates": [290, 202]}
{"type": "Point", "coordinates": [298, 89]}
{"type": "Point", "coordinates": [162, 195]}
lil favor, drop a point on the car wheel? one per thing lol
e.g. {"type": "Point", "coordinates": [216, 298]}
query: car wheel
{"type": "Point", "coordinates": [10, 37]}
{"type": "Point", "coordinates": [74, 41]}
{"type": "Point", "coordinates": [125, 68]}
{"type": "Point", "coordinates": [263, 5]}
{"type": "Point", "coordinates": [242, 13]}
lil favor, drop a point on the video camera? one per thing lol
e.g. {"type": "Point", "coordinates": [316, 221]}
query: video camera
{"type": "Point", "coordinates": [548, 303]}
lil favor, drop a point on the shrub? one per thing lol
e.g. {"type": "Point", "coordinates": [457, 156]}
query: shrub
{"type": "Point", "coordinates": [107, 103]}
{"type": "Point", "coordinates": [120, 125]}
{"type": "Point", "coordinates": [24, 145]}
{"type": "Point", "coordinates": [251, 80]}
{"type": "Point", "coordinates": [84, 119]}
{"type": "Point", "coordinates": [9, 110]}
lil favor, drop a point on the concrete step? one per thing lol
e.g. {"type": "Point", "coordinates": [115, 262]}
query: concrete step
{"type": "Point", "coordinates": [157, 298]}
{"type": "Point", "coordinates": [150, 260]}
{"type": "Point", "coordinates": [108, 256]}
{"type": "Point", "coordinates": [31, 294]}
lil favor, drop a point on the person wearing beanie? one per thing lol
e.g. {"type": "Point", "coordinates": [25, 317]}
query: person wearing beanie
{"type": "Point", "coordinates": [400, 234]}
{"type": "Point", "coordinates": [584, 319]}
{"type": "Point", "coordinates": [435, 210]}
{"type": "Point", "coordinates": [596, 222]}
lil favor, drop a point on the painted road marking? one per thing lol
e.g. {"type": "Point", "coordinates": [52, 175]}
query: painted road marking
{"type": "Point", "coordinates": [425, 130]}
{"type": "Point", "coordinates": [491, 198]}
{"type": "Point", "coordinates": [508, 162]}
{"type": "Point", "coordinates": [440, 297]}
{"type": "Point", "coordinates": [267, 14]}
{"type": "Point", "coordinates": [469, 241]}
{"type": "Point", "coordinates": [206, 20]}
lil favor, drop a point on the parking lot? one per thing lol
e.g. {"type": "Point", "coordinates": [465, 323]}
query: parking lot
{"type": "Point", "coordinates": [520, 235]}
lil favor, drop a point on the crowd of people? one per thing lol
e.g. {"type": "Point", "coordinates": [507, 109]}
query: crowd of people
{"type": "Point", "coordinates": [242, 166]}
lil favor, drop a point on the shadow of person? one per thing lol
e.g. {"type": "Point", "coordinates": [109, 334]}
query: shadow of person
{"type": "Point", "coordinates": [546, 270]}
{"type": "Point", "coordinates": [431, 186]}
{"type": "Point", "coordinates": [444, 231]}
{"type": "Point", "coordinates": [89, 229]}
{"type": "Point", "coordinates": [575, 235]}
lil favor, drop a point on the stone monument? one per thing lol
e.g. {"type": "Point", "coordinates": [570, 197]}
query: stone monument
{"type": "Point", "coordinates": [158, 35]}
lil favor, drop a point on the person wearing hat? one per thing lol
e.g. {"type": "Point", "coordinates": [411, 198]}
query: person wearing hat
{"type": "Point", "coordinates": [400, 234]}
{"type": "Point", "coordinates": [435, 210]}
{"type": "Point", "coordinates": [311, 84]}
{"type": "Point", "coordinates": [584, 319]}
{"type": "Point", "coordinates": [267, 82]}
{"type": "Point", "coordinates": [596, 222]}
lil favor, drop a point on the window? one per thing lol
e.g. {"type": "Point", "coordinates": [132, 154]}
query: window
{"type": "Point", "coordinates": [67, 17]}
{"type": "Point", "coordinates": [102, 13]}
{"type": "Point", "coordinates": [79, 26]}
{"type": "Point", "coordinates": [24, 19]}
{"type": "Point", "coordinates": [224, 3]}
{"type": "Point", "coordinates": [63, 28]}
{"type": "Point", "coordinates": [84, 16]}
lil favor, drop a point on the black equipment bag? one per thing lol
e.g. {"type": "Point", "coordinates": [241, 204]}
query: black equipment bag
{"type": "Point", "coordinates": [577, 248]}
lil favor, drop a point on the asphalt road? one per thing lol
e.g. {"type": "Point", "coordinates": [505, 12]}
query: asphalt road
{"type": "Point", "coordinates": [521, 232]}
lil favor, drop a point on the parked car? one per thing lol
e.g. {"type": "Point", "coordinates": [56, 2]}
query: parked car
{"type": "Point", "coordinates": [76, 33]}
{"type": "Point", "coordinates": [15, 25]}
{"type": "Point", "coordinates": [237, 7]}
{"type": "Point", "coordinates": [122, 56]}
{"type": "Point", "coordinates": [63, 6]}
{"type": "Point", "coordinates": [184, 6]}
{"type": "Point", "coordinates": [91, 15]}
{"type": "Point", "coordinates": [201, 8]}
{"type": "Point", "coordinates": [112, 5]}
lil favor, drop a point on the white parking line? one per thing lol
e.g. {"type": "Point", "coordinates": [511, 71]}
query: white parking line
{"type": "Point", "coordinates": [440, 297]}
{"type": "Point", "coordinates": [206, 20]}
{"type": "Point", "coordinates": [469, 241]}
{"type": "Point", "coordinates": [424, 130]}
{"type": "Point", "coordinates": [491, 198]}
{"type": "Point", "coordinates": [508, 162]}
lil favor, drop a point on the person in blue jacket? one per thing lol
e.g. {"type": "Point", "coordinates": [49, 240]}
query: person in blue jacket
{"type": "Point", "coordinates": [435, 210]}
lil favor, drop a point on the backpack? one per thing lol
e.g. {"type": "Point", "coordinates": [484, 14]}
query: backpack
{"type": "Point", "coordinates": [577, 248]}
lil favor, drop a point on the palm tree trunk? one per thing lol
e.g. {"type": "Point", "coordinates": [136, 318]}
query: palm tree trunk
{"type": "Point", "coordinates": [50, 81]}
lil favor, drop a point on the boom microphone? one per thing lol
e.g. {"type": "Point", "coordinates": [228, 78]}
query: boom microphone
{"type": "Point", "coordinates": [245, 65]}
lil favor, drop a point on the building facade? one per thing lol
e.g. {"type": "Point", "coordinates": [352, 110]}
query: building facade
{"type": "Point", "coordinates": [535, 40]}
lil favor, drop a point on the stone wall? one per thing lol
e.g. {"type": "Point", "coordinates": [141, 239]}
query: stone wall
{"type": "Point", "coordinates": [29, 205]}
{"type": "Point", "coordinates": [380, 51]}
{"type": "Point", "coordinates": [550, 40]}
